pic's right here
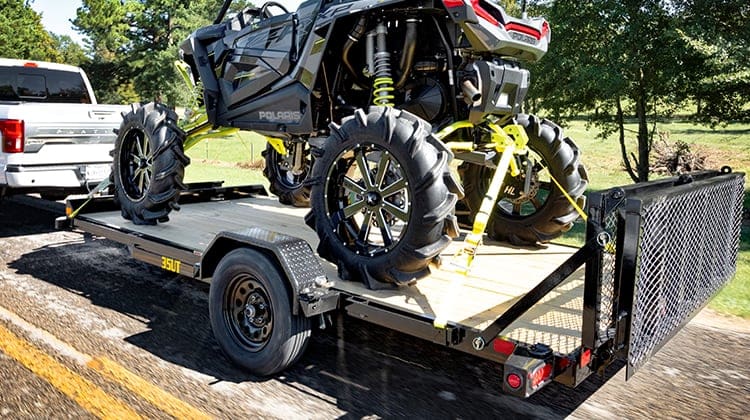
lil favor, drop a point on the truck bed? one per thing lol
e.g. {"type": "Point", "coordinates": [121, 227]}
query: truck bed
{"type": "Point", "coordinates": [501, 273]}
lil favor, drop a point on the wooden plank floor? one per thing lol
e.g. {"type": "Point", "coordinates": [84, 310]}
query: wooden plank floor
{"type": "Point", "coordinates": [500, 275]}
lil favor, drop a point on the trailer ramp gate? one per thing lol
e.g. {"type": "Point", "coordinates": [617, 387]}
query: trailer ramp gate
{"type": "Point", "coordinates": [671, 245]}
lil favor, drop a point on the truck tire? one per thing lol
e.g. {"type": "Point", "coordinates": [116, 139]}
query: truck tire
{"type": "Point", "coordinates": [291, 189]}
{"type": "Point", "coordinates": [380, 203]}
{"type": "Point", "coordinates": [544, 213]}
{"type": "Point", "coordinates": [250, 309]}
{"type": "Point", "coordinates": [149, 164]}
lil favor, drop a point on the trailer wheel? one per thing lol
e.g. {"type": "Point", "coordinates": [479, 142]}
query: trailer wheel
{"type": "Point", "coordinates": [380, 203]}
{"type": "Point", "coordinates": [290, 187]}
{"type": "Point", "coordinates": [251, 314]}
{"type": "Point", "coordinates": [149, 164]}
{"type": "Point", "coordinates": [543, 212]}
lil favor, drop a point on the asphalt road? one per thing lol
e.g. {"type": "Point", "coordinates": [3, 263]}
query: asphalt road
{"type": "Point", "coordinates": [86, 329]}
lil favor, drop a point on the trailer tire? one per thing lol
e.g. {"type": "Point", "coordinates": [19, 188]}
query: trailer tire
{"type": "Point", "coordinates": [290, 189]}
{"type": "Point", "coordinates": [544, 214]}
{"type": "Point", "coordinates": [149, 164]}
{"type": "Point", "coordinates": [250, 309]}
{"type": "Point", "coordinates": [381, 205]}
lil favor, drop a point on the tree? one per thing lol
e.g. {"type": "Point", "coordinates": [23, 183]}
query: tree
{"type": "Point", "coordinates": [719, 30]}
{"type": "Point", "coordinates": [104, 23]}
{"type": "Point", "coordinates": [617, 58]}
{"type": "Point", "coordinates": [69, 51]}
{"type": "Point", "coordinates": [22, 34]}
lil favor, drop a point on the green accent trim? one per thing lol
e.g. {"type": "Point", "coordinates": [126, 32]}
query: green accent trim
{"type": "Point", "coordinates": [277, 145]}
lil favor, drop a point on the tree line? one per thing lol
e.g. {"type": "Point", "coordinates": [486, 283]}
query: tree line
{"type": "Point", "coordinates": [614, 61]}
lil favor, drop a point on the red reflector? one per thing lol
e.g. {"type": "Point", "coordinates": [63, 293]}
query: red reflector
{"type": "Point", "coordinates": [514, 380]}
{"type": "Point", "coordinates": [585, 357]}
{"type": "Point", "coordinates": [503, 346]}
{"type": "Point", "coordinates": [12, 135]}
{"type": "Point", "coordinates": [540, 375]}
{"type": "Point", "coordinates": [30, 64]}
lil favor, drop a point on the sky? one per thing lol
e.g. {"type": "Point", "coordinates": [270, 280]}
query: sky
{"type": "Point", "coordinates": [57, 14]}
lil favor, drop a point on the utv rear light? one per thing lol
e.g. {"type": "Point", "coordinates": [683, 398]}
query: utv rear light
{"type": "Point", "coordinates": [453, 3]}
{"type": "Point", "coordinates": [450, 4]}
{"type": "Point", "coordinates": [12, 135]}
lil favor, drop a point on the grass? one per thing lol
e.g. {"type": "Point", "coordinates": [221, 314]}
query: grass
{"type": "Point", "coordinates": [236, 160]}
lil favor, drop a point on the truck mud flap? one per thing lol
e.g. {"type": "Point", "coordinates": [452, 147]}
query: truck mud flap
{"type": "Point", "coordinates": [668, 247]}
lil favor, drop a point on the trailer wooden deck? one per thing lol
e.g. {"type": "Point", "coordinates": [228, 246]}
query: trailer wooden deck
{"type": "Point", "coordinates": [500, 275]}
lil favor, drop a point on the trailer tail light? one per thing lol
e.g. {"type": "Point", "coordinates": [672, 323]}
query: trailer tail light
{"type": "Point", "coordinates": [514, 380]}
{"type": "Point", "coordinates": [540, 375]}
{"type": "Point", "coordinates": [12, 136]}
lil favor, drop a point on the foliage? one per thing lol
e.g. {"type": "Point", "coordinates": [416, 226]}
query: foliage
{"type": "Point", "coordinates": [647, 60]}
{"type": "Point", "coordinates": [617, 58]}
{"type": "Point", "coordinates": [69, 51]}
{"type": "Point", "coordinates": [719, 30]}
{"type": "Point", "coordinates": [22, 34]}
{"type": "Point", "coordinates": [136, 41]}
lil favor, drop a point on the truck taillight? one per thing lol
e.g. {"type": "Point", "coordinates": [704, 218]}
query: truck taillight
{"type": "Point", "coordinates": [12, 136]}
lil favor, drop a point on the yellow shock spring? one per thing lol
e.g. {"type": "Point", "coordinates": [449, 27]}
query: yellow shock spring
{"type": "Point", "coordinates": [383, 86]}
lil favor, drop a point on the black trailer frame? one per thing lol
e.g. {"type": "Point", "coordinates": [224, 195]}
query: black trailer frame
{"type": "Point", "coordinates": [654, 254]}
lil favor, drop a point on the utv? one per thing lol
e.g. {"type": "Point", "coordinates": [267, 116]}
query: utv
{"type": "Point", "coordinates": [365, 104]}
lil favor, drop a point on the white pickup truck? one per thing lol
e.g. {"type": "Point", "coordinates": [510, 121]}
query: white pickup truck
{"type": "Point", "coordinates": [55, 138]}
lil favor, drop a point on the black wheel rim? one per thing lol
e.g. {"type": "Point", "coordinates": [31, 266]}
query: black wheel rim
{"type": "Point", "coordinates": [527, 193]}
{"type": "Point", "coordinates": [136, 164]}
{"type": "Point", "coordinates": [283, 165]}
{"type": "Point", "coordinates": [368, 199]}
{"type": "Point", "coordinates": [248, 312]}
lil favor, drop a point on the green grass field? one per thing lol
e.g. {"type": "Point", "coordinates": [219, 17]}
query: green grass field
{"type": "Point", "coordinates": [237, 160]}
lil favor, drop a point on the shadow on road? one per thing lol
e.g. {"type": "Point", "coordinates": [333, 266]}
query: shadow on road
{"type": "Point", "coordinates": [363, 369]}
{"type": "Point", "coordinates": [23, 215]}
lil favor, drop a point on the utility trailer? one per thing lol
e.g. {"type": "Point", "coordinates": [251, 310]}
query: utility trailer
{"type": "Point", "coordinates": [654, 254]}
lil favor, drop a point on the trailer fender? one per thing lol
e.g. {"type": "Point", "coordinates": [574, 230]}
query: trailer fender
{"type": "Point", "coordinates": [308, 285]}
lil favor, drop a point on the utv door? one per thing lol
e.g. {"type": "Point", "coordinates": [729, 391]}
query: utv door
{"type": "Point", "coordinates": [261, 53]}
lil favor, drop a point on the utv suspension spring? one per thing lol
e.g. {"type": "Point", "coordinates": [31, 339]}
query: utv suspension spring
{"type": "Point", "coordinates": [383, 84]}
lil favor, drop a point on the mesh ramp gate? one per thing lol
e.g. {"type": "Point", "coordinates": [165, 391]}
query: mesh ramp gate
{"type": "Point", "coordinates": [672, 245]}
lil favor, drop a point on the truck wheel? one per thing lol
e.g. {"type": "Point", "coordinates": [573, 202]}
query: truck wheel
{"type": "Point", "coordinates": [251, 314]}
{"type": "Point", "coordinates": [283, 182]}
{"type": "Point", "coordinates": [380, 203]}
{"type": "Point", "coordinates": [543, 212]}
{"type": "Point", "coordinates": [149, 164]}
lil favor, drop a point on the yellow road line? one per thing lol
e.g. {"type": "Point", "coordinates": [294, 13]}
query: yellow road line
{"type": "Point", "coordinates": [108, 368]}
{"type": "Point", "coordinates": [87, 395]}
{"type": "Point", "coordinates": [156, 396]}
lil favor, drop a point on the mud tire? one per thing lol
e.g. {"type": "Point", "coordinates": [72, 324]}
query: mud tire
{"type": "Point", "coordinates": [149, 164]}
{"type": "Point", "coordinates": [295, 191]}
{"type": "Point", "coordinates": [561, 157]}
{"type": "Point", "coordinates": [419, 216]}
